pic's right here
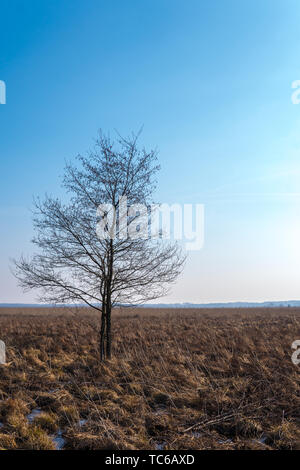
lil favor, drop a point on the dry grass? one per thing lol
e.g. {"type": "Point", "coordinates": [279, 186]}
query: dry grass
{"type": "Point", "coordinates": [181, 379]}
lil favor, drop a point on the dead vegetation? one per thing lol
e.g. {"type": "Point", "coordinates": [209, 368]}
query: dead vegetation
{"type": "Point", "coordinates": [189, 379]}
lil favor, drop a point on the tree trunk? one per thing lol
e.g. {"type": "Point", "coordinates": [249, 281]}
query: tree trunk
{"type": "Point", "coordinates": [108, 330]}
{"type": "Point", "coordinates": [108, 301]}
{"type": "Point", "coordinates": [105, 331]}
{"type": "Point", "coordinates": [102, 335]}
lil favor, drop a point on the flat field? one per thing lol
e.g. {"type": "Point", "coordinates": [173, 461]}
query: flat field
{"type": "Point", "coordinates": [179, 379]}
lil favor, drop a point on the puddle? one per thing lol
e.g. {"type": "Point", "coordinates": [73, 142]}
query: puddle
{"type": "Point", "coordinates": [160, 411]}
{"type": "Point", "coordinates": [33, 414]}
{"type": "Point", "coordinates": [58, 440]}
{"type": "Point", "coordinates": [261, 440]}
{"type": "Point", "coordinates": [225, 441]}
{"type": "Point", "coordinates": [82, 422]}
{"type": "Point", "coordinates": [160, 445]}
{"type": "Point", "coordinates": [1, 425]}
{"type": "Point", "coordinates": [196, 434]}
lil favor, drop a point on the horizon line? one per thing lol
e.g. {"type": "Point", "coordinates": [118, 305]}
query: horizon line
{"type": "Point", "coordinates": [269, 303]}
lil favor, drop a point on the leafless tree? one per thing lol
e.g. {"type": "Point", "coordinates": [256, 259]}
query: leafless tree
{"type": "Point", "coordinates": [73, 264]}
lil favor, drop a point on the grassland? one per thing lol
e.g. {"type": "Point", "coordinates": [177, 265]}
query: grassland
{"type": "Point", "coordinates": [179, 379]}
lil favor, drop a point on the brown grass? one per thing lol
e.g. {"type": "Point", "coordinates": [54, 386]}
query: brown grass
{"type": "Point", "coordinates": [179, 379]}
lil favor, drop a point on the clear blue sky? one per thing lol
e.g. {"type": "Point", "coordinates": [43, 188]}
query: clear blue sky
{"type": "Point", "coordinates": [211, 83]}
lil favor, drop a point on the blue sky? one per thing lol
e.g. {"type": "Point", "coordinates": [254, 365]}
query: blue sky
{"type": "Point", "coordinates": [210, 81]}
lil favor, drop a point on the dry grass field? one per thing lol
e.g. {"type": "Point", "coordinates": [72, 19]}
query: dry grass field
{"type": "Point", "coordinates": [179, 379]}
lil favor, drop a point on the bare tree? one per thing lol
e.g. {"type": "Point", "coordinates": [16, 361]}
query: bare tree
{"type": "Point", "coordinates": [73, 263]}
